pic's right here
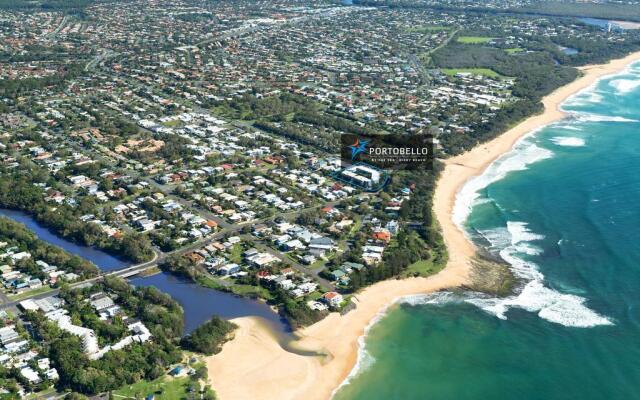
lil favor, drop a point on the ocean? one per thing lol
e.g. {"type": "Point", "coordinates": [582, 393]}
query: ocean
{"type": "Point", "coordinates": [563, 208]}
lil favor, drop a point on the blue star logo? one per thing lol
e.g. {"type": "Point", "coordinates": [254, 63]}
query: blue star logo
{"type": "Point", "coordinates": [360, 146]}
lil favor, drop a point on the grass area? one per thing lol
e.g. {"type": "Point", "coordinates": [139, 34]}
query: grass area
{"type": "Point", "coordinates": [224, 110]}
{"type": "Point", "coordinates": [514, 50]}
{"type": "Point", "coordinates": [356, 226]}
{"type": "Point", "coordinates": [28, 293]}
{"type": "Point", "coordinates": [478, 71]}
{"type": "Point", "coordinates": [251, 291]}
{"type": "Point", "coordinates": [474, 39]}
{"type": "Point", "coordinates": [314, 296]}
{"type": "Point", "coordinates": [429, 28]}
{"type": "Point", "coordinates": [163, 388]}
{"type": "Point", "coordinates": [319, 263]}
{"type": "Point", "coordinates": [42, 394]}
{"type": "Point", "coordinates": [236, 288]}
{"type": "Point", "coordinates": [235, 255]}
{"type": "Point", "coordinates": [423, 268]}
{"type": "Point", "coordinates": [213, 283]}
{"type": "Point", "coordinates": [173, 123]}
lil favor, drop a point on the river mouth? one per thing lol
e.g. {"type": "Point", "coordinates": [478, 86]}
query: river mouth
{"type": "Point", "coordinates": [200, 303]}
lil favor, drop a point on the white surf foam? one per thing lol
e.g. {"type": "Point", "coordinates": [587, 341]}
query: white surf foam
{"type": "Point", "coordinates": [624, 86]}
{"type": "Point", "coordinates": [568, 141]}
{"type": "Point", "coordinates": [586, 117]}
{"type": "Point", "coordinates": [365, 360]}
{"type": "Point", "coordinates": [569, 127]}
{"type": "Point", "coordinates": [549, 304]}
{"type": "Point", "coordinates": [560, 308]}
{"type": "Point", "coordinates": [498, 238]}
{"type": "Point", "coordinates": [564, 309]}
{"type": "Point", "coordinates": [586, 97]}
{"type": "Point", "coordinates": [591, 94]}
{"type": "Point", "coordinates": [437, 298]}
{"type": "Point", "coordinates": [524, 153]}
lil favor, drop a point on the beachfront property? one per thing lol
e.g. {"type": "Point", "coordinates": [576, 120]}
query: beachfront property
{"type": "Point", "coordinates": [333, 299]}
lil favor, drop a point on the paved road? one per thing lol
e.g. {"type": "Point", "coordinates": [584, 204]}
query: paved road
{"type": "Point", "coordinates": [325, 284]}
{"type": "Point", "coordinates": [53, 33]}
{"type": "Point", "coordinates": [160, 256]}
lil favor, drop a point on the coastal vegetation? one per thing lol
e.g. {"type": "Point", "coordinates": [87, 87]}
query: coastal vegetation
{"type": "Point", "coordinates": [296, 313]}
{"type": "Point", "coordinates": [603, 10]}
{"type": "Point", "coordinates": [212, 133]}
{"type": "Point", "coordinates": [209, 337]}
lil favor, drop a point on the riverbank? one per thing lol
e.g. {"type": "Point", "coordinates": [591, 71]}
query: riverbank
{"type": "Point", "coordinates": [254, 365]}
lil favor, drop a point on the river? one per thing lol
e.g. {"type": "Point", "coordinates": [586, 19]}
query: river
{"type": "Point", "coordinates": [101, 259]}
{"type": "Point", "coordinates": [199, 303]}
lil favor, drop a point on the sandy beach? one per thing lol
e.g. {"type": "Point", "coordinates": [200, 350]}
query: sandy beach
{"type": "Point", "coordinates": [254, 366]}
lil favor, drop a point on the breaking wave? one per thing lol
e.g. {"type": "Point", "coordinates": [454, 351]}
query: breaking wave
{"type": "Point", "coordinates": [524, 153]}
{"type": "Point", "coordinates": [436, 298]}
{"type": "Point", "coordinates": [551, 305]}
{"type": "Point", "coordinates": [589, 96]}
{"type": "Point", "coordinates": [624, 86]}
{"type": "Point", "coordinates": [568, 141]}
{"type": "Point", "coordinates": [365, 360]}
{"type": "Point", "coordinates": [515, 242]}
{"type": "Point", "coordinates": [568, 127]}
{"type": "Point", "coordinates": [588, 117]}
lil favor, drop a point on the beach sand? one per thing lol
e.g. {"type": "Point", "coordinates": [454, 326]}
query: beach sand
{"type": "Point", "coordinates": [254, 366]}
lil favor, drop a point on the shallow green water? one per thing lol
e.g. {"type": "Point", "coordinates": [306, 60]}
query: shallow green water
{"type": "Point", "coordinates": [564, 209]}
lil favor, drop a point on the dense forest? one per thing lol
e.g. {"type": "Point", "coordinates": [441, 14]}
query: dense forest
{"type": "Point", "coordinates": [617, 11]}
{"type": "Point", "coordinates": [536, 73]}
{"type": "Point", "coordinates": [627, 12]}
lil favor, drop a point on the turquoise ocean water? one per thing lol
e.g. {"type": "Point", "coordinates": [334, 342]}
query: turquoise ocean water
{"type": "Point", "coordinates": [563, 208]}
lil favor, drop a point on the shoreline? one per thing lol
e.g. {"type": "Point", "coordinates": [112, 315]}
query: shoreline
{"type": "Point", "coordinates": [254, 365]}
